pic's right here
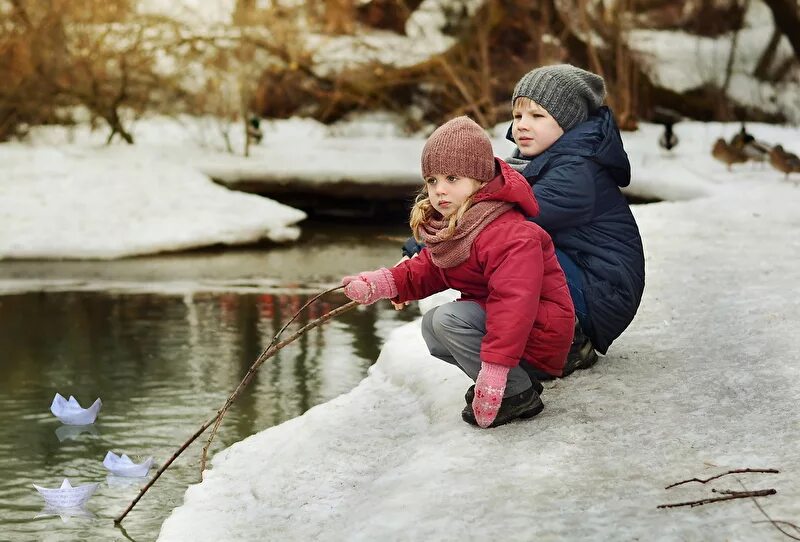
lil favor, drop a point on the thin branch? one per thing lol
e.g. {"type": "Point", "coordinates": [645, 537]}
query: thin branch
{"type": "Point", "coordinates": [781, 522]}
{"type": "Point", "coordinates": [462, 88]}
{"type": "Point", "coordinates": [264, 356]}
{"type": "Point", "coordinates": [587, 27]}
{"type": "Point", "coordinates": [738, 495]}
{"type": "Point", "coordinates": [271, 349]}
{"type": "Point", "coordinates": [735, 471]}
{"type": "Point", "coordinates": [774, 522]}
{"type": "Point", "coordinates": [731, 492]}
{"type": "Point", "coordinates": [20, 12]}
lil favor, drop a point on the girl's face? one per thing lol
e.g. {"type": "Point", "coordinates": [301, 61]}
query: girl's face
{"type": "Point", "coordinates": [448, 192]}
{"type": "Point", "coordinates": [533, 129]}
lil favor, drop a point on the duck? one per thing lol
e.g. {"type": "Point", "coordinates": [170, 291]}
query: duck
{"type": "Point", "coordinates": [668, 139]}
{"type": "Point", "coordinates": [727, 154]}
{"type": "Point", "coordinates": [667, 118]}
{"type": "Point", "coordinates": [784, 161]}
{"type": "Point", "coordinates": [754, 150]}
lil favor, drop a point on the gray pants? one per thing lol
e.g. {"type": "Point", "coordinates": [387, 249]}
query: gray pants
{"type": "Point", "coordinates": [453, 333]}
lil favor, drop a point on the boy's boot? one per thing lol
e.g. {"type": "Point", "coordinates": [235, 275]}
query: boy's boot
{"type": "Point", "coordinates": [581, 352]}
{"type": "Point", "coordinates": [523, 405]}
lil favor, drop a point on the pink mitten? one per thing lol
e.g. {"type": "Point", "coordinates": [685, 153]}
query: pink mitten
{"type": "Point", "coordinates": [489, 389]}
{"type": "Point", "coordinates": [370, 286]}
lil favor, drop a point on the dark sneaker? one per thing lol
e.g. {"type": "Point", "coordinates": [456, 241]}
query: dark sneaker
{"type": "Point", "coordinates": [523, 405]}
{"type": "Point", "coordinates": [581, 353]}
{"type": "Point", "coordinates": [470, 395]}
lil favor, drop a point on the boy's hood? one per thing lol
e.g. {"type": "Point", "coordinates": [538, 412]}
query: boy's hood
{"type": "Point", "coordinates": [597, 139]}
{"type": "Point", "coordinates": [509, 185]}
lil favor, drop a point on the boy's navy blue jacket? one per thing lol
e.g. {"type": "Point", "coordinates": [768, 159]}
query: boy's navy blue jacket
{"type": "Point", "coordinates": [576, 182]}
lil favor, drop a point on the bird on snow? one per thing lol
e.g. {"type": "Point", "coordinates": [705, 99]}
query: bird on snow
{"type": "Point", "coordinates": [784, 161]}
{"type": "Point", "coordinates": [667, 118]}
{"type": "Point", "coordinates": [753, 149]}
{"type": "Point", "coordinates": [727, 154]}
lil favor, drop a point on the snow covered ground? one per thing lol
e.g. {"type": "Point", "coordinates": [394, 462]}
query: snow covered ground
{"type": "Point", "coordinates": [66, 195]}
{"type": "Point", "coordinates": [84, 201]}
{"type": "Point", "coordinates": [706, 379]}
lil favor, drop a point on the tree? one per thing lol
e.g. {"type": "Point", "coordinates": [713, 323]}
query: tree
{"type": "Point", "coordinates": [98, 54]}
{"type": "Point", "coordinates": [787, 18]}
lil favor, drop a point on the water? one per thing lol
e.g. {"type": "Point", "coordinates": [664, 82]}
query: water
{"type": "Point", "coordinates": [163, 341]}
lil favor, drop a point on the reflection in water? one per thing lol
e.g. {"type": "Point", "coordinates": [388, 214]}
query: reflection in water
{"type": "Point", "coordinates": [71, 432]}
{"type": "Point", "coordinates": [163, 365]}
{"type": "Point", "coordinates": [64, 513]}
{"type": "Point", "coordinates": [123, 482]}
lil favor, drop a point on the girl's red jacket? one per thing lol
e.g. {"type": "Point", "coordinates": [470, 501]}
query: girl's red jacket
{"type": "Point", "coordinates": [513, 273]}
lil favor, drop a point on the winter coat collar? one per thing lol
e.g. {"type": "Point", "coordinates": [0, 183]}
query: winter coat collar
{"type": "Point", "coordinates": [510, 186]}
{"type": "Point", "coordinates": [596, 139]}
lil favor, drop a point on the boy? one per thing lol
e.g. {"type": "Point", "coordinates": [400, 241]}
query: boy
{"type": "Point", "coordinates": [570, 150]}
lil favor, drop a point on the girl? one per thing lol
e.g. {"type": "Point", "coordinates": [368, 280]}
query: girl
{"type": "Point", "coordinates": [515, 317]}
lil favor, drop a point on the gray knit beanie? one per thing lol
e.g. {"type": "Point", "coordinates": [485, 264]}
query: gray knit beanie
{"type": "Point", "coordinates": [459, 147]}
{"type": "Point", "coordinates": [569, 93]}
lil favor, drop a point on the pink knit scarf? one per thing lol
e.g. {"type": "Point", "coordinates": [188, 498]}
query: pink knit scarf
{"type": "Point", "coordinates": [453, 250]}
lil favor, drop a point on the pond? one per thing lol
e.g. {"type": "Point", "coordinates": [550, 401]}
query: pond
{"type": "Point", "coordinates": [163, 341]}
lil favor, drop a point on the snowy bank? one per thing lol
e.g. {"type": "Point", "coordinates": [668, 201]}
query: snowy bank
{"type": "Point", "coordinates": [705, 380]}
{"type": "Point", "coordinates": [83, 201]}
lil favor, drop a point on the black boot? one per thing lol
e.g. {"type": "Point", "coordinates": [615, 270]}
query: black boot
{"type": "Point", "coordinates": [523, 405]}
{"type": "Point", "coordinates": [581, 352]}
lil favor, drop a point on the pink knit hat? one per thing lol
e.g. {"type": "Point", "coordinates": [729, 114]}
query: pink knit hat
{"type": "Point", "coordinates": [459, 147]}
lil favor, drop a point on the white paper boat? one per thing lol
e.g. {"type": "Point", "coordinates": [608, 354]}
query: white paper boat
{"type": "Point", "coordinates": [70, 411]}
{"type": "Point", "coordinates": [66, 496]}
{"type": "Point", "coordinates": [123, 466]}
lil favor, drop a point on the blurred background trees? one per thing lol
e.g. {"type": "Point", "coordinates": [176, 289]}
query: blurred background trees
{"type": "Point", "coordinates": [114, 60]}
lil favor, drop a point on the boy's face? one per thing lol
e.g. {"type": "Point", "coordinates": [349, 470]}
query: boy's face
{"type": "Point", "coordinates": [448, 192]}
{"type": "Point", "coordinates": [533, 129]}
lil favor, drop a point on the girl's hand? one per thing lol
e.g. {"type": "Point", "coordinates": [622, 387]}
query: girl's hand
{"type": "Point", "coordinates": [489, 388]}
{"type": "Point", "coordinates": [370, 286]}
{"type": "Point", "coordinates": [404, 304]}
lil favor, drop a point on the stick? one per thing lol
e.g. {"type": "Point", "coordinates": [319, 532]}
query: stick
{"type": "Point", "coordinates": [263, 357]}
{"type": "Point", "coordinates": [268, 352]}
{"type": "Point", "coordinates": [735, 471]}
{"type": "Point", "coordinates": [733, 495]}
{"type": "Point", "coordinates": [775, 522]}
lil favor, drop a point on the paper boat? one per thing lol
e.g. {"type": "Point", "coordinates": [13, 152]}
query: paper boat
{"type": "Point", "coordinates": [66, 496]}
{"type": "Point", "coordinates": [70, 411]}
{"type": "Point", "coordinates": [123, 466]}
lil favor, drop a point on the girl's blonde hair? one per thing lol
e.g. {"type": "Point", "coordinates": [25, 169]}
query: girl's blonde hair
{"type": "Point", "coordinates": [423, 211]}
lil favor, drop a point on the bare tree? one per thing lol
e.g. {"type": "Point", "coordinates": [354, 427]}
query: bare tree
{"type": "Point", "coordinates": [96, 54]}
{"type": "Point", "coordinates": [787, 18]}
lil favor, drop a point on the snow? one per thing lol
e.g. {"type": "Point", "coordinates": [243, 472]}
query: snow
{"type": "Point", "coordinates": [682, 62]}
{"type": "Point", "coordinates": [196, 13]}
{"type": "Point", "coordinates": [705, 380]}
{"type": "Point", "coordinates": [80, 201]}
{"type": "Point", "coordinates": [423, 38]}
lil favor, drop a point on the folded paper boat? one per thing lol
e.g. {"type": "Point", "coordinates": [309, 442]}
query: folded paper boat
{"type": "Point", "coordinates": [66, 496]}
{"type": "Point", "coordinates": [123, 466]}
{"type": "Point", "coordinates": [70, 411]}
